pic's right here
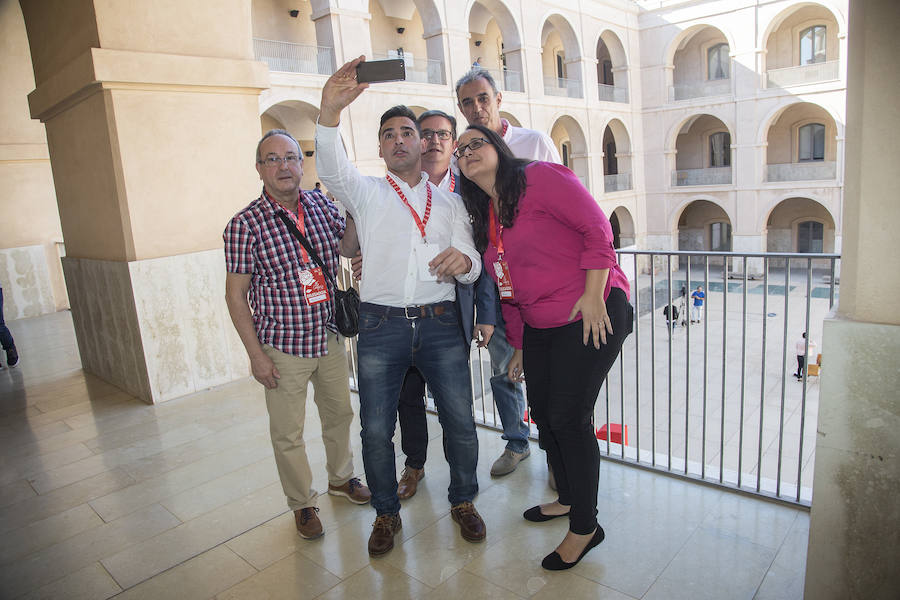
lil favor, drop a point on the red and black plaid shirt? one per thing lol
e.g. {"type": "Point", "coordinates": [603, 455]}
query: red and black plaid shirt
{"type": "Point", "coordinates": [257, 243]}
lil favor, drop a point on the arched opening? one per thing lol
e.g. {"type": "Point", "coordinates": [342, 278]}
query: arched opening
{"type": "Point", "coordinates": [406, 29]}
{"type": "Point", "coordinates": [612, 68]}
{"type": "Point", "coordinates": [495, 44]}
{"type": "Point", "coordinates": [703, 152]}
{"type": "Point", "coordinates": [802, 47]}
{"type": "Point", "coordinates": [511, 118]}
{"type": "Point", "coordinates": [289, 40]}
{"type": "Point", "coordinates": [616, 158]}
{"type": "Point", "coordinates": [801, 144]}
{"type": "Point", "coordinates": [704, 226]}
{"type": "Point", "coordinates": [298, 118]}
{"type": "Point", "coordinates": [569, 139]}
{"type": "Point", "coordinates": [701, 64]}
{"type": "Point", "coordinates": [800, 225]}
{"type": "Point", "coordinates": [561, 59]}
{"type": "Point", "coordinates": [623, 228]}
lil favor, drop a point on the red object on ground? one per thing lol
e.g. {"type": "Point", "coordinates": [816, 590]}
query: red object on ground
{"type": "Point", "coordinates": [615, 433]}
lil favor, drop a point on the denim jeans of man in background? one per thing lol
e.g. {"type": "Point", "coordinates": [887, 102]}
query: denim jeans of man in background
{"type": "Point", "coordinates": [6, 338]}
{"type": "Point", "coordinates": [508, 396]}
{"type": "Point", "coordinates": [388, 346]}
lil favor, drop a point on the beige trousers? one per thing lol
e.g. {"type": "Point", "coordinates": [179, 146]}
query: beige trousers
{"type": "Point", "coordinates": [287, 412]}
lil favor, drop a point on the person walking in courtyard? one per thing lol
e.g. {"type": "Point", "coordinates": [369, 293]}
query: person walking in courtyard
{"type": "Point", "coordinates": [697, 309]}
{"type": "Point", "coordinates": [803, 353]}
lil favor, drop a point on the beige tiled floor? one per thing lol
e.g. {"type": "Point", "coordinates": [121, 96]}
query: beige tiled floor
{"type": "Point", "coordinates": [102, 495]}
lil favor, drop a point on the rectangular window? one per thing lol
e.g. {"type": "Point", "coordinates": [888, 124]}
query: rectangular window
{"type": "Point", "coordinates": [565, 154]}
{"type": "Point", "coordinates": [810, 235]}
{"type": "Point", "coordinates": [811, 145]}
{"type": "Point", "coordinates": [718, 60]}
{"type": "Point", "coordinates": [607, 78]}
{"type": "Point", "coordinates": [612, 163]}
{"type": "Point", "coordinates": [720, 237]}
{"type": "Point", "coordinates": [720, 149]}
{"type": "Point", "coordinates": [812, 45]}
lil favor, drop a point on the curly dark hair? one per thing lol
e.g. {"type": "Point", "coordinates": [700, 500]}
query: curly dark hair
{"type": "Point", "coordinates": [510, 185]}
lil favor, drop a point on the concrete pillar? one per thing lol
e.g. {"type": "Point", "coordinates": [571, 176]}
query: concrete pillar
{"type": "Point", "coordinates": [151, 137]}
{"type": "Point", "coordinates": [854, 547]}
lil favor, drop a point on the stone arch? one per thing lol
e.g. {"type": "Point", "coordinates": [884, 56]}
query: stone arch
{"type": "Point", "coordinates": [423, 48]}
{"type": "Point", "coordinates": [686, 34]}
{"type": "Point", "coordinates": [513, 120]}
{"type": "Point", "coordinates": [703, 224]}
{"type": "Point", "coordinates": [623, 227]}
{"type": "Point", "coordinates": [772, 116]}
{"type": "Point", "coordinates": [678, 126]}
{"type": "Point", "coordinates": [507, 69]}
{"type": "Point", "coordinates": [777, 20]}
{"type": "Point", "coordinates": [569, 83]}
{"type": "Point", "coordinates": [567, 129]}
{"type": "Point", "coordinates": [783, 222]}
{"type": "Point", "coordinates": [617, 155]}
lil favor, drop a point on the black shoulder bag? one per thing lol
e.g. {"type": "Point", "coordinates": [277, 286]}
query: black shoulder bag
{"type": "Point", "coordinates": [346, 303]}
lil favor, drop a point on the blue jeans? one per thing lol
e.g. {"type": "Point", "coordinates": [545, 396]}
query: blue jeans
{"type": "Point", "coordinates": [508, 396]}
{"type": "Point", "coordinates": [6, 338]}
{"type": "Point", "coordinates": [388, 346]}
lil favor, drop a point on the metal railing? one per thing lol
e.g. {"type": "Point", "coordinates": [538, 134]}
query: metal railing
{"type": "Point", "coordinates": [712, 400]}
{"type": "Point", "coordinates": [699, 89]}
{"type": "Point", "coordinates": [507, 80]}
{"type": "Point", "coordinates": [801, 171]}
{"type": "Point", "coordinates": [709, 176]}
{"type": "Point", "coordinates": [294, 58]}
{"type": "Point", "coordinates": [559, 86]}
{"type": "Point", "coordinates": [611, 93]}
{"type": "Point", "coordinates": [617, 182]}
{"type": "Point", "coordinates": [418, 70]}
{"type": "Point", "coordinates": [803, 74]}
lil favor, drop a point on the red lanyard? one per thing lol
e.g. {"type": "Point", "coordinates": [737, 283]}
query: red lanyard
{"type": "Point", "coordinates": [496, 236]}
{"type": "Point", "coordinates": [505, 127]}
{"type": "Point", "coordinates": [420, 223]}
{"type": "Point", "coordinates": [298, 220]}
{"type": "Point", "coordinates": [452, 181]}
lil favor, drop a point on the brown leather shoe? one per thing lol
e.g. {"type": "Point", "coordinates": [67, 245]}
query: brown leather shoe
{"type": "Point", "coordinates": [308, 524]}
{"type": "Point", "coordinates": [383, 530]}
{"type": "Point", "coordinates": [409, 482]}
{"type": "Point", "coordinates": [470, 524]}
{"type": "Point", "coordinates": [353, 490]}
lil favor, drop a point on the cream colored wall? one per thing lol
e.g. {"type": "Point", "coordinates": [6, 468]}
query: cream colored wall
{"type": "Point", "coordinates": [27, 198]}
{"type": "Point", "coordinates": [783, 136]}
{"type": "Point", "coordinates": [783, 46]}
{"type": "Point", "coordinates": [272, 21]}
{"type": "Point", "coordinates": [690, 62]}
{"type": "Point", "coordinates": [383, 30]}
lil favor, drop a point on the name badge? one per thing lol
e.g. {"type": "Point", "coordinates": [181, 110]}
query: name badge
{"type": "Point", "coordinates": [504, 283]}
{"type": "Point", "coordinates": [314, 289]}
{"type": "Point", "coordinates": [425, 253]}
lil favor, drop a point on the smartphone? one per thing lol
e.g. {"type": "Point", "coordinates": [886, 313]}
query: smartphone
{"type": "Point", "coordinates": [374, 71]}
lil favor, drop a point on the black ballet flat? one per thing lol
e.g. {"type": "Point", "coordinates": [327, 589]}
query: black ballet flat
{"type": "Point", "coordinates": [535, 515]}
{"type": "Point", "coordinates": [554, 562]}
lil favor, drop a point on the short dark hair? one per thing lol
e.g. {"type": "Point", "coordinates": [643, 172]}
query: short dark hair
{"type": "Point", "coordinates": [399, 111]}
{"type": "Point", "coordinates": [510, 185]}
{"type": "Point", "coordinates": [473, 75]}
{"type": "Point", "coordinates": [273, 132]}
{"type": "Point", "coordinates": [438, 113]}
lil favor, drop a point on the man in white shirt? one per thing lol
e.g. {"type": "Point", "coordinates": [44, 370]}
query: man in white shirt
{"type": "Point", "coordinates": [416, 242]}
{"type": "Point", "coordinates": [479, 100]}
{"type": "Point", "coordinates": [804, 351]}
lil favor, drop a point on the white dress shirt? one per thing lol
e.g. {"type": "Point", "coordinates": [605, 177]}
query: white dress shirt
{"type": "Point", "coordinates": [388, 235]}
{"type": "Point", "coordinates": [530, 144]}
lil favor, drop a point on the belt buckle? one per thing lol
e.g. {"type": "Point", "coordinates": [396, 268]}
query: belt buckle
{"type": "Point", "coordinates": [406, 312]}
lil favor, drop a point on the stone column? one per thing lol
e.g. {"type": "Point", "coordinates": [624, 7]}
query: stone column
{"type": "Point", "coordinates": [854, 548]}
{"type": "Point", "coordinates": [151, 137]}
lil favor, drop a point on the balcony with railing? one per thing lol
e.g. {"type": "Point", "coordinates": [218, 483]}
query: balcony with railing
{"type": "Point", "coordinates": [803, 74]}
{"type": "Point", "coordinates": [611, 93]}
{"type": "Point", "coordinates": [617, 182]}
{"type": "Point", "coordinates": [699, 89]}
{"type": "Point", "coordinates": [708, 176]}
{"type": "Point", "coordinates": [802, 171]}
{"type": "Point", "coordinates": [288, 57]}
{"type": "Point", "coordinates": [507, 80]}
{"type": "Point", "coordinates": [418, 70]}
{"type": "Point", "coordinates": [559, 86]}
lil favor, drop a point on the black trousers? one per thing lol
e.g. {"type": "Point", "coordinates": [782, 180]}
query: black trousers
{"type": "Point", "coordinates": [413, 424]}
{"type": "Point", "coordinates": [563, 379]}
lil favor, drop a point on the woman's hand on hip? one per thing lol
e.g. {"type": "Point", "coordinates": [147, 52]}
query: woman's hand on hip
{"type": "Point", "coordinates": [594, 318]}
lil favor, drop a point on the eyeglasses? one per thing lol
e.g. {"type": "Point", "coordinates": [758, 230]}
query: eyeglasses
{"type": "Point", "coordinates": [442, 134]}
{"type": "Point", "coordinates": [474, 144]}
{"type": "Point", "coordinates": [277, 161]}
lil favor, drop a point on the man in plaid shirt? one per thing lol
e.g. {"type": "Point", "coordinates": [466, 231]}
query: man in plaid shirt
{"type": "Point", "coordinates": [290, 335]}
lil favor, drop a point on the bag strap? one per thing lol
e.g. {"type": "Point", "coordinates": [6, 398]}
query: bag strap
{"type": "Point", "coordinates": [303, 242]}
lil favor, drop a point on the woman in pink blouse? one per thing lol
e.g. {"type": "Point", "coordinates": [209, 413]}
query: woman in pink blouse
{"type": "Point", "coordinates": [564, 298]}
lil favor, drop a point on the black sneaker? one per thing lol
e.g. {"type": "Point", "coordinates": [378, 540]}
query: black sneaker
{"type": "Point", "coordinates": [12, 357]}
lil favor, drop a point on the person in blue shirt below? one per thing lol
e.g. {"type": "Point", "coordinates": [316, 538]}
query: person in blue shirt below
{"type": "Point", "coordinates": [697, 308]}
{"type": "Point", "coordinates": [6, 339]}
